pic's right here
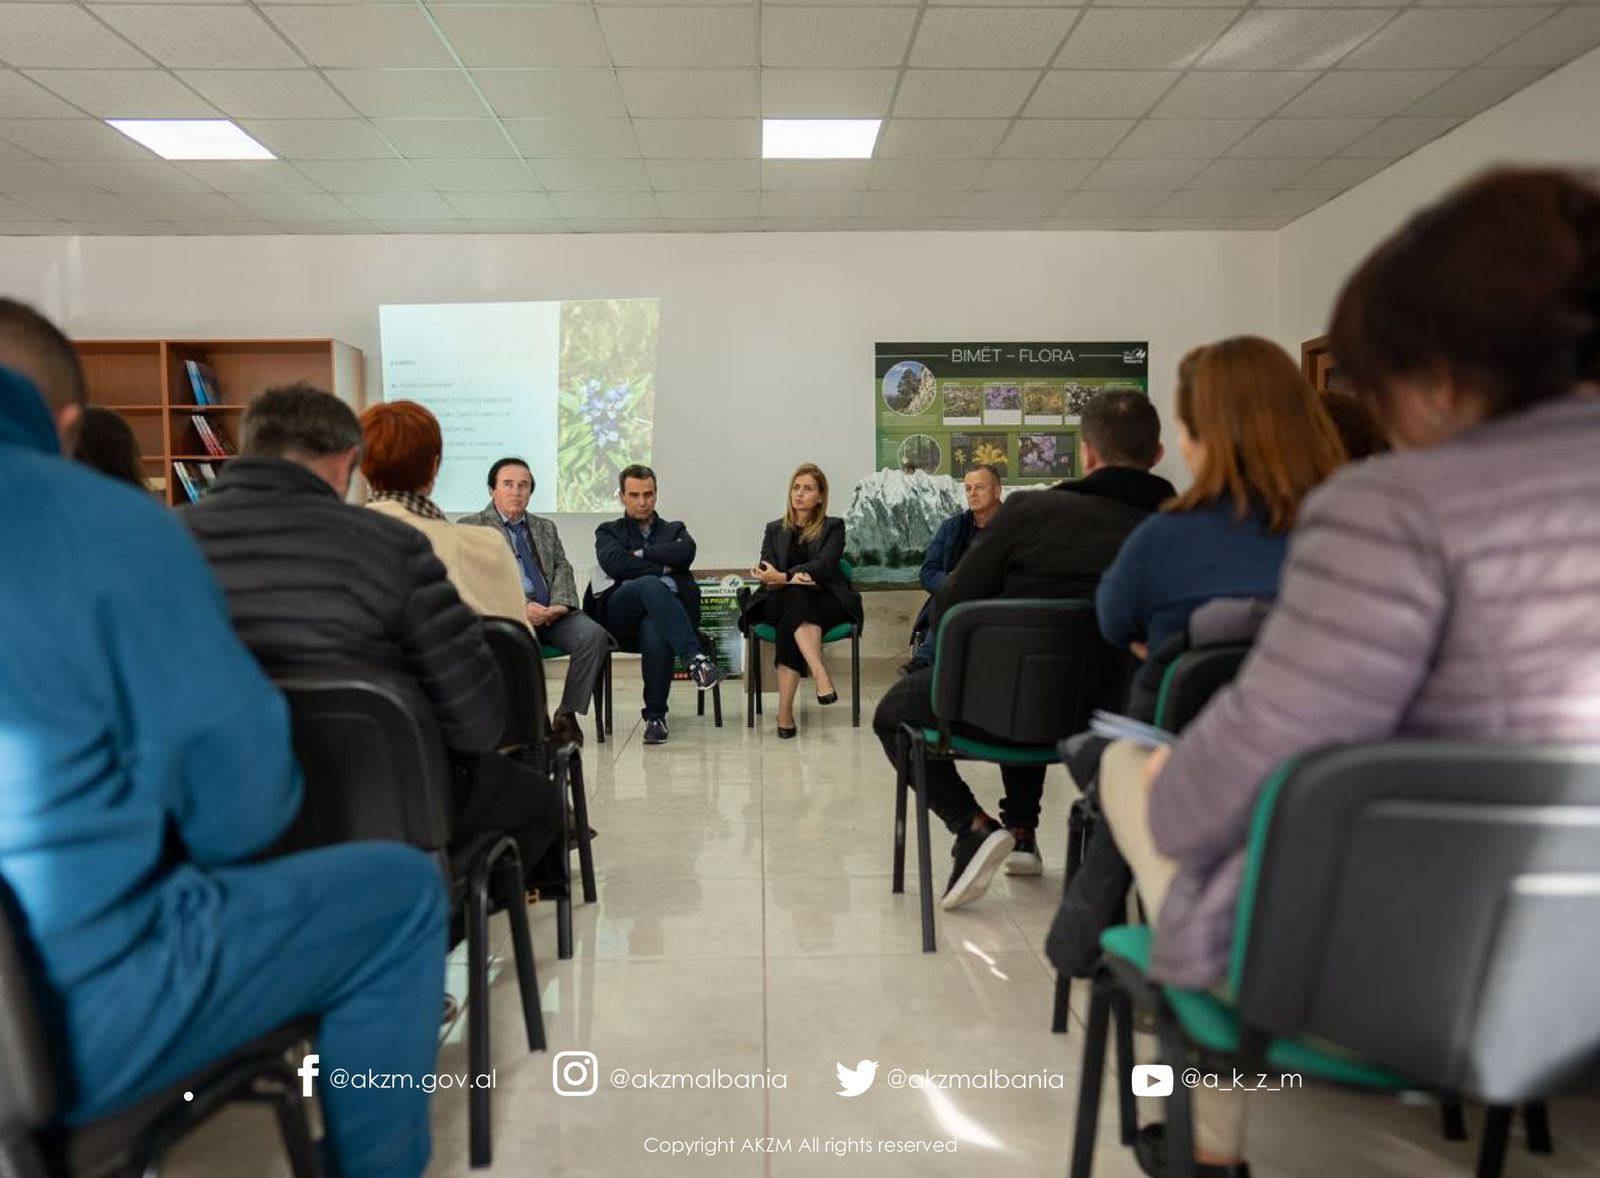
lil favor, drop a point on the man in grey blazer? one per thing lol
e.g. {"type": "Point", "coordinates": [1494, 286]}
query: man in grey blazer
{"type": "Point", "coordinates": [549, 586]}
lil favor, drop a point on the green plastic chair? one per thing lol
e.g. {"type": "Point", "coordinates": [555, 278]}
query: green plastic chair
{"type": "Point", "coordinates": [764, 632]}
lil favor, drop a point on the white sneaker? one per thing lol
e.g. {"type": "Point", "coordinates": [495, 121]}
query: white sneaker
{"type": "Point", "coordinates": [978, 855]}
{"type": "Point", "coordinates": [1025, 858]}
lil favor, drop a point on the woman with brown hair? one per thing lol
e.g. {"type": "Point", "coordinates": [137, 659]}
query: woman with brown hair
{"type": "Point", "coordinates": [803, 593]}
{"type": "Point", "coordinates": [1256, 441]}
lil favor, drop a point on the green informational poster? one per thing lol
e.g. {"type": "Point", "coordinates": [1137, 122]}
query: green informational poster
{"type": "Point", "coordinates": [945, 408]}
{"type": "Point", "coordinates": [719, 620]}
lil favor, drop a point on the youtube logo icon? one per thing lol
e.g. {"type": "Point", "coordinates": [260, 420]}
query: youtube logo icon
{"type": "Point", "coordinates": [1152, 1079]}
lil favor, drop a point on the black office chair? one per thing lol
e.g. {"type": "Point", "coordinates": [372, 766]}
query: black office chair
{"type": "Point", "coordinates": [375, 767]}
{"type": "Point", "coordinates": [1010, 679]}
{"type": "Point", "coordinates": [1414, 915]}
{"type": "Point", "coordinates": [137, 1140]}
{"type": "Point", "coordinates": [524, 740]}
{"type": "Point", "coordinates": [604, 710]}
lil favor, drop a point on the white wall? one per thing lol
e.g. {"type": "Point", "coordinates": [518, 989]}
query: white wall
{"type": "Point", "coordinates": [1552, 121]}
{"type": "Point", "coordinates": [766, 339]}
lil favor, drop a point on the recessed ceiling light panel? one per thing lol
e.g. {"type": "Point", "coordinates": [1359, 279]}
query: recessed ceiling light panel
{"type": "Point", "coordinates": [818, 139]}
{"type": "Point", "coordinates": [193, 139]}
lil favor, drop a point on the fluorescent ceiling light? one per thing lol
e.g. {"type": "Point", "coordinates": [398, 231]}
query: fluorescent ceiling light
{"type": "Point", "coordinates": [818, 139]}
{"type": "Point", "coordinates": [193, 139]}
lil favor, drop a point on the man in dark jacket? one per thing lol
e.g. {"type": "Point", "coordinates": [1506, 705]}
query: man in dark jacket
{"type": "Point", "coordinates": [1052, 544]}
{"type": "Point", "coordinates": [313, 581]}
{"type": "Point", "coordinates": [945, 550]}
{"type": "Point", "coordinates": [646, 596]}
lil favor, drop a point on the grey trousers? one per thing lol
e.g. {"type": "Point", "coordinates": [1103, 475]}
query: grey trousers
{"type": "Point", "coordinates": [586, 644]}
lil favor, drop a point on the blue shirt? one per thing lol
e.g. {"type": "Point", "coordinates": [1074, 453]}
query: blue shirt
{"type": "Point", "coordinates": [1176, 561]}
{"type": "Point", "coordinates": [534, 585]}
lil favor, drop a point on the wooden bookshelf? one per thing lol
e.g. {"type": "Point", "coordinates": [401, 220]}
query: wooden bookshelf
{"type": "Point", "coordinates": [1316, 361]}
{"type": "Point", "coordinates": [147, 383]}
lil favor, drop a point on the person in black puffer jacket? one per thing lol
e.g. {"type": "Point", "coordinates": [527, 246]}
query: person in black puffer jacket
{"type": "Point", "coordinates": [313, 581]}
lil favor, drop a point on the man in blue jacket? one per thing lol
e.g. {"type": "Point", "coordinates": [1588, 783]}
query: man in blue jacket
{"type": "Point", "coordinates": [647, 597]}
{"type": "Point", "coordinates": [949, 545]}
{"type": "Point", "coordinates": [144, 762]}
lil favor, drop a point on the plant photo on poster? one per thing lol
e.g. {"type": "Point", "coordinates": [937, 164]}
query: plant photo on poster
{"type": "Point", "coordinates": [963, 402]}
{"type": "Point", "coordinates": [968, 451]}
{"type": "Point", "coordinates": [920, 452]}
{"type": "Point", "coordinates": [908, 388]}
{"type": "Point", "coordinates": [1049, 456]}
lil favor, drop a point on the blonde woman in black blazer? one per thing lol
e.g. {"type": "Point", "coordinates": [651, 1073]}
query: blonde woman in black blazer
{"type": "Point", "coordinates": [803, 592]}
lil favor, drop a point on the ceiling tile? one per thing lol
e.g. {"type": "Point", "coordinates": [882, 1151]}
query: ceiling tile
{"type": "Point", "coordinates": [1012, 204]}
{"type": "Point", "coordinates": [963, 93]}
{"type": "Point", "coordinates": [606, 206]}
{"type": "Point", "coordinates": [1560, 39]}
{"type": "Point", "coordinates": [1099, 94]}
{"type": "Point", "coordinates": [592, 175]}
{"type": "Point", "coordinates": [574, 138]}
{"type": "Point", "coordinates": [1011, 38]}
{"type": "Point", "coordinates": [1180, 139]}
{"type": "Point", "coordinates": [249, 176]}
{"type": "Point", "coordinates": [721, 225]}
{"type": "Point", "coordinates": [548, 225]}
{"type": "Point", "coordinates": [400, 94]}
{"type": "Point", "coordinates": [469, 175]}
{"type": "Point", "coordinates": [1017, 175]}
{"type": "Point", "coordinates": [21, 98]}
{"type": "Point", "coordinates": [294, 206]}
{"type": "Point", "coordinates": [552, 94]}
{"type": "Point", "coordinates": [325, 227]}
{"type": "Point", "coordinates": [835, 38]}
{"type": "Point", "coordinates": [83, 206]}
{"type": "Point", "coordinates": [1227, 94]}
{"type": "Point", "coordinates": [268, 94]}
{"type": "Point", "coordinates": [379, 206]}
{"type": "Point", "coordinates": [135, 176]}
{"type": "Point", "coordinates": [690, 94]}
{"type": "Point", "coordinates": [446, 138]}
{"type": "Point", "coordinates": [562, 35]}
{"type": "Point", "coordinates": [1137, 175]}
{"type": "Point", "coordinates": [704, 175]}
{"type": "Point", "coordinates": [190, 206]}
{"type": "Point", "coordinates": [931, 139]}
{"type": "Point", "coordinates": [502, 206]}
{"type": "Point", "coordinates": [1260, 224]}
{"type": "Point", "coordinates": [958, 175]}
{"type": "Point", "coordinates": [250, 228]}
{"type": "Point", "coordinates": [1345, 94]}
{"type": "Point", "coordinates": [366, 36]}
{"type": "Point", "coordinates": [614, 225]}
{"type": "Point", "coordinates": [1302, 137]}
{"type": "Point", "coordinates": [698, 139]}
{"type": "Point", "coordinates": [1442, 38]}
{"type": "Point", "coordinates": [1064, 138]}
{"type": "Point", "coordinates": [1239, 175]}
{"type": "Point", "coordinates": [72, 139]}
{"type": "Point", "coordinates": [912, 204]}
{"type": "Point", "coordinates": [814, 175]}
{"type": "Point", "coordinates": [1292, 40]}
{"type": "Point", "coordinates": [826, 94]}
{"type": "Point", "coordinates": [677, 36]}
{"type": "Point", "coordinates": [219, 36]}
{"type": "Point", "coordinates": [1341, 174]}
{"type": "Point", "coordinates": [432, 224]}
{"type": "Point", "coordinates": [26, 176]}
{"type": "Point", "coordinates": [365, 176]}
{"type": "Point", "coordinates": [1398, 137]}
{"type": "Point", "coordinates": [709, 204]}
{"type": "Point", "coordinates": [1112, 203]}
{"type": "Point", "coordinates": [1211, 204]}
{"type": "Point", "coordinates": [1473, 91]}
{"type": "Point", "coordinates": [10, 152]}
{"type": "Point", "coordinates": [64, 36]}
{"type": "Point", "coordinates": [1131, 38]}
{"type": "Point", "coordinates": [811, 204]}
{"type": "Point", "coordinates": [1092, 224]}
{"type": "Point", "coordinates": [1183, 224]}
{"type": "Point", "coordinates": [126, 94]}
{"type": "Point", "coordinates": [320, 139]}
{"type": "Point", "coordinates": [1293, 203]}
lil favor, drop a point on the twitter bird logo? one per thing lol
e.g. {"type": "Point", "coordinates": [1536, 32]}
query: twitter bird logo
{"type": "Point", "coordinates": [855, 1082]}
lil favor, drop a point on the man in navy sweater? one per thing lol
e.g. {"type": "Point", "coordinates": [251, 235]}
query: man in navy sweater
{"type": "Point", "coordinates": [949, 545]}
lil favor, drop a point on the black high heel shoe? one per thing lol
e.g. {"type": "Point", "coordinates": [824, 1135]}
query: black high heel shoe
{"type": "Point", "coordinates": [831, 698]}
{"type": "Point", "coordinates": [788, 733]}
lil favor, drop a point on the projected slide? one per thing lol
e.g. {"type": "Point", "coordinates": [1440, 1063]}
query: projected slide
{"type": "Point", "coordinates": [569, 386]}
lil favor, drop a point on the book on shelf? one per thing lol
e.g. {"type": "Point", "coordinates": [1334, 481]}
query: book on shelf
{"type": "Point", "coordinates": [203, 381]}
{"type": "Point", "coordinates": [211, 437]}
{"type": "Point", "coordinates": [196, 480]}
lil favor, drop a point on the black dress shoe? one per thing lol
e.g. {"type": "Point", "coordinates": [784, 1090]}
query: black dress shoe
{"type": "Point", "coordinates": [788, 733]}
{"type": "Point", "coordinates": [1150, 1148]}
{"type": "Point", "coordinates": [831, 698]}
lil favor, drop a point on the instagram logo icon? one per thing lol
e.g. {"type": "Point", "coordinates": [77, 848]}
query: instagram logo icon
{"type": "Point", "coordinates": [575, 1073]}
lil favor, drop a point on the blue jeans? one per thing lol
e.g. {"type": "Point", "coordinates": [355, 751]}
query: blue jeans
{"type": "Point", "coordinates": [354, 934]}
{"type": "Point", "coordinates": [648, 614]}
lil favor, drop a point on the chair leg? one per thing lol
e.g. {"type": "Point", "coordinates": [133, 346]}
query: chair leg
{"type": "Point", "coordinates": [1536, 1120]}
{"type": "Point", "coordinates": [716, 704]}
{"type": "Point", "coordinates": [295, 1128]}
{"type": "Point", "coordinates": [855, 677]}
{"type": "Point", "coordinates": [750, 680]}
{"type": "Point", "coordinates": [508, 874]}
{"type": "Point", "coordinates": [1062, 1004]}
{"type": "Point", "coordinates": [1452, 1122]}
{"type": "Point", "coordinates": [898, 880]}
{"type": "Point", "coordinates": [699, 703]}
{"type": "Point", "coordinates": [564, 857]}
{"type": "Point", "coordinates": [602, 692]}
{"type": "Point", "coordinates": [480, 1147]}
{"type": "Point", "coordinates": [1094, 1063]}
{"type": "Point", "coordinates": [1180, 1107]}
{"type": "Point", "coordinates": [1496, 1131]}
{"type": "Point", "coordinates": [919, 775]}
{"type": "Point", "coordinates": [1127, 1107]}
{"type": "Point", "coordinates": [580, 815]}
{"type": "Point", "coordinates": [611, 711]}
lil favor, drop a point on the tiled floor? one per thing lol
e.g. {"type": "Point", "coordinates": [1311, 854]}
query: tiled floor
{"type": "Point", "coordinates": [745, 923]}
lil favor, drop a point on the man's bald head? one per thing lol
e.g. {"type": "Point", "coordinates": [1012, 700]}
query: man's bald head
{"type": "Point", "coordinates": [32, 345]}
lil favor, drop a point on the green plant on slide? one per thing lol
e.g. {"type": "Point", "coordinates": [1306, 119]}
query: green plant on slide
{"type": "Point", "coordinates": [608, 385]}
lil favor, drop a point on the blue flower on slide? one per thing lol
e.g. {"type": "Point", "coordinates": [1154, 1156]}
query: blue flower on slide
{"type": "Point", "coordinates": [602, 409]}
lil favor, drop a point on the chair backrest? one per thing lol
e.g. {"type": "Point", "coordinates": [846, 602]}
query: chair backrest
{"type": "Point", "coordinates": [522, 668]}
{"type": "Point", "coordinates": [1027, 671]}
{"type": "Point", "coordinates": [848, 569]}
{"type": "Point", "coordinates": [374, 761]}
{"type": "Point", "coordinates": [27, 1073]}
{"type": "Point", "coordinates": [1193, 678]}
{"type": "Point", "coordinates": [1434, 906]}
